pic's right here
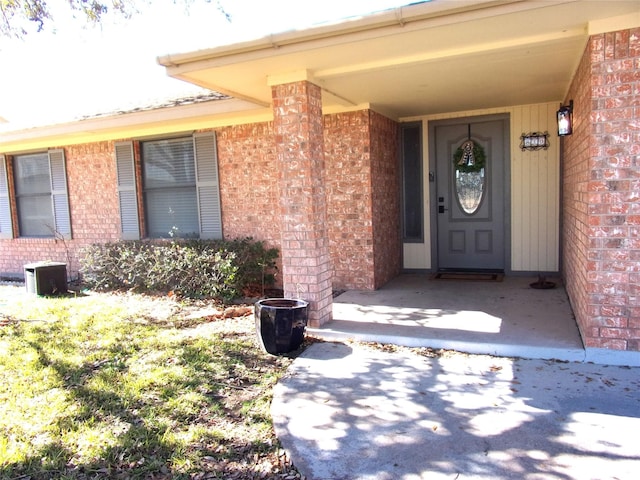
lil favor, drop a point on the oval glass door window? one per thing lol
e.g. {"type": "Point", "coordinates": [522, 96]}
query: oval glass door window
{"type": "Point", "coordinates": [470, 190]}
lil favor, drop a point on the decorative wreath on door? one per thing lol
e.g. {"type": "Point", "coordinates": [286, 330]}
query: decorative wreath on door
{"type": "Point", "coordinates": [469, 157]}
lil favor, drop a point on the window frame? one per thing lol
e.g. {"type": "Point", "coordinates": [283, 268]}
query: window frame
{"type": "Point", "coordinates": [412, 184]}
{"type": "Point", "coordinates": [131, 195]}
{"type": "Point", "coordinates": [58, 194]}
{"type": "Point", "coordinates": [172, 189]}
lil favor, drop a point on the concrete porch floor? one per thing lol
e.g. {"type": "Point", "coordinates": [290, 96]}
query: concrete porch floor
{"type": "Point", "coordinates": [504, 318]}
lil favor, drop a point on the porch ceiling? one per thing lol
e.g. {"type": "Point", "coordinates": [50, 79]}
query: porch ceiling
{"type": "Point", "coordinates": [427, 58]}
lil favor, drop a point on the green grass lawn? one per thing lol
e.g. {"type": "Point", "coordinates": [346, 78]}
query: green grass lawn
{"type": "Point", "coordinates": [131, 386]}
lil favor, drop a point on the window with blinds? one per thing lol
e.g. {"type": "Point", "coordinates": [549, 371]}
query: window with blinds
{"type": "Point", "coordinates": [169, 187]}
{"type": "Point", "coordinates": [41, 195]}
{"type": "Point", "coordinates": [33, 195]}
{"type": "Point", "coordinates": [180, 188]}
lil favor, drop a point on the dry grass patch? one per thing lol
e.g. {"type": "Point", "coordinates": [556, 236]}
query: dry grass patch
{"type": "Point", "coordinates": [132, 386]}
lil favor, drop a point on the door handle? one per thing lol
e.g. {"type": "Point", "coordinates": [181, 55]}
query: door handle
{"type": "Point", "coordinates": [441, 209]}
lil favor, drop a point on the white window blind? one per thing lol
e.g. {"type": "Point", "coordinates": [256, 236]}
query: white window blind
{"type": "Point", "coordinates": [33, 195]}
{"type": "Point", "coordinates": [170, 188]}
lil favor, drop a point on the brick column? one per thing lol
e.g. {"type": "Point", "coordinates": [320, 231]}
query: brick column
{"type": "Point", "coordinates": [306, 261]}
{"type": "Point", "coordinates": [613, 192]}
{"type": "Point", "coordinates": [602, 195]}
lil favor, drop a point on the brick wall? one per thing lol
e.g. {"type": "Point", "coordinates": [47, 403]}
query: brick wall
{"type": "Point", "coordinates": [249, 184]}
{"type": "Point", "coordinates": [358, 146]}
{"type": "Point", "coordinates": [576, 166]}
{"type": "Point", "coordinates": [361, 165]}
{"type": "Point", "coordinates": [385, 182]}
{"type": "Point", "coordinates": [349, 209]}
{"type": "Point", "coordinates": [91, 176]}
{"type": "Point", "coordinates": [602, 193]}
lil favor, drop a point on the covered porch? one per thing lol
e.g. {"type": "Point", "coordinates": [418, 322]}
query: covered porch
{"type": "Point", "coordinates": [504, 318]}
{"type": "Point", "coordinates": [566, 208]}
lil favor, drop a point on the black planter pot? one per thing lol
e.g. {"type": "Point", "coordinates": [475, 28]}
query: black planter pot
{"type": "Point", "coordinates": [280, 324]}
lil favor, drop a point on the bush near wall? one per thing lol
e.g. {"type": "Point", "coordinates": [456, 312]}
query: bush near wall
{"type": "Point", "coordinates": [219, 269]}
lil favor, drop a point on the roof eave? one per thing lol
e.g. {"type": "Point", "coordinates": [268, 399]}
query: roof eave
{"type": "Point", "coordinates": [134, 125]}
{"type": "Point", "coordinates": [442, 12]}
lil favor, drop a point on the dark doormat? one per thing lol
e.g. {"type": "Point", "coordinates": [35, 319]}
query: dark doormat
{"type": "Point", "coordinates": [473, 276]}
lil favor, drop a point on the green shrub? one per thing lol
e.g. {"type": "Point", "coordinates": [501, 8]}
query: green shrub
{"type": "Point", "coordinates": [220, 269]}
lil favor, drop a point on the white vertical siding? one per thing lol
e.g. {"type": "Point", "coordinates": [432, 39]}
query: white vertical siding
{"type": "Point", "coordinates": [535, 191]}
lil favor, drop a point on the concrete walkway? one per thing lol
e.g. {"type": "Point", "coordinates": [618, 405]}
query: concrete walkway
{"type": "Point", "coordinates": [350, 412]}
{"type": "Point", "coordinates": [506, 318]}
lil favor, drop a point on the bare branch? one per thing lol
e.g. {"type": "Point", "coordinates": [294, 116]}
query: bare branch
{"type": "Point", "coordinates": [17, 15]}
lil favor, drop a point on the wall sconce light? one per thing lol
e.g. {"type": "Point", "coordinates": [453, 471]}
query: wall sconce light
{"type": "Point", "coordinates": [565, 119]}
{"type": "Point", "coordinates": [534, 141]}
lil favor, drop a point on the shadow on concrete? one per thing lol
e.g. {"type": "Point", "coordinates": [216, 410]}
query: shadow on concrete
{"type": "Point", "coordinates": [507, 318]}
{"type": "Point", "coordinates": [353, 412]}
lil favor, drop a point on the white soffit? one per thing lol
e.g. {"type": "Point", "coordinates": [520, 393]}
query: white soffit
{"type": "Point", "coordinates": [426, 58]}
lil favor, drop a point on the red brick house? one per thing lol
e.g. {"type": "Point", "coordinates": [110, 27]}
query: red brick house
{"type": "Point", "coordinates": [341, 145]}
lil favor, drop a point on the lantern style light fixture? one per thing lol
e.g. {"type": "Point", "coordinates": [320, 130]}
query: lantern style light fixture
{"type": "Point", "coordinates": [565, 119]}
